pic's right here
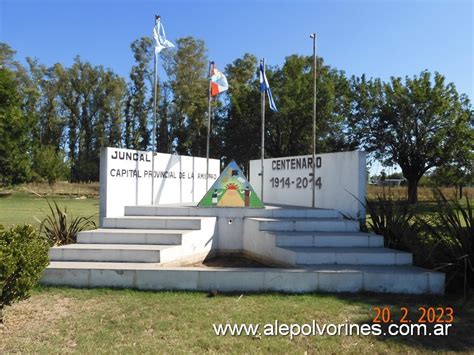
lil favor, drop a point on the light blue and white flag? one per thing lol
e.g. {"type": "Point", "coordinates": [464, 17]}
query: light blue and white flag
{"type": "Point", "coordinates": [264, 86]}
{"type": "Point", "coordinates": [160, 37]}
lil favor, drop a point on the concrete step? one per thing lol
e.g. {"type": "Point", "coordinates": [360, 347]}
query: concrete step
{"type": "Point", "coordinates": [327, 239]}
{"type": "Point", "coordinates": [303, 213]}
{"type": "Point", "coordinates": [154, 222]}
{"type": "Point", "coordinates": [308, 225]}
{"type": "Point", "coordinates": [131, 236]}
{"type": "Point", "coordinates": [321, 278]}
{"type": "Point", "coordinates": [269, 211]}
{"type": "Point", "coordinates": [109, 253]}
{"type": "Point", "coordinates": [350, 256]}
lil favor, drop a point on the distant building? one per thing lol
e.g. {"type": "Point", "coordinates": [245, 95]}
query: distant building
{"type": "Point", "coordinates": [392, 182]}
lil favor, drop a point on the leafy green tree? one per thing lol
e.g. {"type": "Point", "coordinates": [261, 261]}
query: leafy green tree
{"type": "Point", "coordinates": [49, 164]}
{"type": "Point", "coordinates": [164, 124]}
{"type": "Point", "coordinates": [7, 59]}
{"type": "Point", "coordinates": [91, 98]}
{"type": "Point", "coordinates": [241, 127]}
{"type": "Point", "coordinates": [459, 174]}
{"type": "Point", "coordinates": [290, 130]}
{"type": "Point", "coordinates": [49, 130]}
{"type": "Point", "coordinates": [110, 116]}
{"type": "Point", "coordinates": [420, 124]}
{"type": "Point", "coordinates": [186, 67]}
{"type": "Point", "coordinates": [15, 158]}
{"type": "Point", "coordinates": [129, 124]}
{"type": "Point", "coordinates": [395, 176]}
{"type": "Point", "coordinates": [140, 98]}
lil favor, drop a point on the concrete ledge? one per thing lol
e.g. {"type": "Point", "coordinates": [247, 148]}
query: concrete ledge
{"type": "Point", "coordinates": [131, 236]}
{"type": "Point", "coordinates": [327, 278]}
{"type": "Point", "coordinates": [327, 239]}
{"type": "Point", "coordinates": [277, 211]}
{"type": "Point", "coordinates": [307, 225]}
{"type": "Point", "coordinates": [153, 222]}
{"type": "Point", "coordinates": [108, 253]}
{"type": "Point", "coordinates": [349, 256]}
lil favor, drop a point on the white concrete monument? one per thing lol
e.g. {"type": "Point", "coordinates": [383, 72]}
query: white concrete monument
{"type": "Point", "coordinates": [156, 247]}
{"type": "Point", "coordinates": [126, 179]}
{"type": "Point", "coordinates": [340, 181]}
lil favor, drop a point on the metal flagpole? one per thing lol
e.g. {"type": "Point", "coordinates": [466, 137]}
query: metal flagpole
{"type": "Point", "coordinates": [208, 126]}
{"type": "Point", "coordinates": [155, 83]}
{"type": "Point", "coordinates": [263, 131]}
{"type": "Point", "coordinates": [313, 36]}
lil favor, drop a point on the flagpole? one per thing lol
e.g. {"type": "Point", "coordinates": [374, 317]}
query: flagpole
{"type": "Point", "coordinates": [262, 93]}
{"type": "Point", "coordinates": [313, 37]}
{"type": "Point", "coordinates": [153, 143]}
{"type": "Point", "coordinates": [208, 127]}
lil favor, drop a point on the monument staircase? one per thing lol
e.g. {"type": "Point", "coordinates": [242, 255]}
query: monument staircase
{"type": "Point", "coordinates": [307, 250]}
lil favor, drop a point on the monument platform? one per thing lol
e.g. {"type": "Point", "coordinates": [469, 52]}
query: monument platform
{"type": "Point", "coordinates": [307, 250]}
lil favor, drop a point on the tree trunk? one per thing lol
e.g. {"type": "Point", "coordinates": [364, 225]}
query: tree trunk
{"type": "Point", "coordinates": [413, 190]}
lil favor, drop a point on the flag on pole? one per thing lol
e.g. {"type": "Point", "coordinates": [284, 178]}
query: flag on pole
{"type": "Point", "coordinates": [264, 86]}
{"type": "Point", "coordinates": [218, 81]}
{"type": "Point", "coordinates": [160, 37]}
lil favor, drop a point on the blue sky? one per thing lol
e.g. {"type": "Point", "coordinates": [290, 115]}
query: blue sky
{"type": "Point", "coordinates": [379, 38]}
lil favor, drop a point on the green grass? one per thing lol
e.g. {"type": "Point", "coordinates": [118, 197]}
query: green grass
{"type": "Point", "coordinates": [19, 208]}
{"type": "Point", "coordinates": [103, 321]}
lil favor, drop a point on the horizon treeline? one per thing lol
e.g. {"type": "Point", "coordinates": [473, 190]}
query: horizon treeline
{"type": "Point", "coordinates": [54, 120]}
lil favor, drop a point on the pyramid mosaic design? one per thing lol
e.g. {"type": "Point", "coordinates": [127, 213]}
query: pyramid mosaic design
{"type": "Point", "coordinates": [231, 189]}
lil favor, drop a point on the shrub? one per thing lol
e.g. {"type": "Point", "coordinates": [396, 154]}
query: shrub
{"type": "Point", "coordinates": [49, 165]}
{"type": "Point", "coordinates": [451, 229]}
{"type": "Point", "coordinates": [393, 219]}
{"type": "Point", "coordinates": [61, 232]}
{"type": "Point", "coordinates": [23, 257]}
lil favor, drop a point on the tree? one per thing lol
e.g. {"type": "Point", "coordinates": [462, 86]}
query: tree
{"type": "Point", "coordinates": [140, 101]}
{"type": "Point", "coordinates": [91, 98]}
{"type": "Point", "coordinates": [395, 176]}
{"type": "Point", "coordinates": [163, 141]}
{"type": "Point", "coordinates": [458, 174]}
{"type": "Point", "coordinates": [49, 164]}
{"type": "Point", "coordinates": [241, 127]}
{"type": "Point", "coordinates": [50, 124]}
{"type": "Point", "coordinates": [186, 67]}
{"type": "Point", "coordinates": [290, 130]}
{"type": "Point", "coordinates": [15, 154]}
{"type": "Point", "coordinates": [16, 124]}
{"type": "Point", "coordinates": [418, 124]}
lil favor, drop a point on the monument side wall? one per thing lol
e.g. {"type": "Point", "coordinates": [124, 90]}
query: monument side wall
{"type": "Point", "coordinates": [340, 181]}
{"type": "Point", "coordinates": [126, 179]}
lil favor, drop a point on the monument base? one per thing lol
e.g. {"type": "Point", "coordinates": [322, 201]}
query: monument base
{"type": "Point", "coordinates": [314, 250]}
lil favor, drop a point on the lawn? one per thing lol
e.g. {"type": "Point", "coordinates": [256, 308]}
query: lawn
{"type": "Point", "coordinates": [104, 320]}
{"type": "Point", "coordinates": [425, 194]}
{"type": "Point", "coordinates": [22, 207]}
{"type": "Point", "coordinates": [57, 320]}
{"type": "Point", "coordinates": [82, 200]}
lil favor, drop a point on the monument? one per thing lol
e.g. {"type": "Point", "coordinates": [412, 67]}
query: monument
{"type": "Point", "coordinates": [152, 235]}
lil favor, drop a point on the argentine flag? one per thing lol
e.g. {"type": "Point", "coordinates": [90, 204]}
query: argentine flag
{"type": "Point", "coordinates": [264, 86]}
